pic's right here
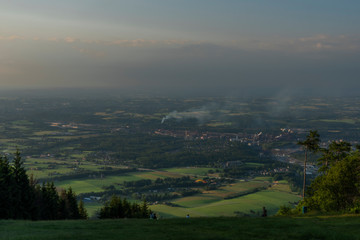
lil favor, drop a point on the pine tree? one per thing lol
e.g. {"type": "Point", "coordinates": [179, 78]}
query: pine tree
{"type": "Point", "coordinates": [82, 211]}
{"type": "Point", "coordinates": [118, 208]}
{"type": "Point", "coordinates": [23, 198]}
{"type": "Point", "coordinates": [339, 150]}
{"type": "Point", "coordinates": [144, 209]}
{"type": "Point", "coordinates": [127, 208]}
{"type": "Point", "coordinates": [23, 195]}
{"type": "Point", "coordinates": [63, 210]}
{"type": "Point", "coordinates": [72, 205]}
{"type": "Point", "coordinates": [311, 144]}
{"type": "Point", "coordinates": [6, 189]}
{"type": "Point", "coordinates": [49, 202]}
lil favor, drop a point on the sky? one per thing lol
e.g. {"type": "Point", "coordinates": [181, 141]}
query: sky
{"type": "Point", "coordinates": [200, 47]}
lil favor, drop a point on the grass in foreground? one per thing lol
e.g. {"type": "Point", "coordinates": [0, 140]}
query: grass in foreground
{"type": "Point", "coordinates": [193, 228]}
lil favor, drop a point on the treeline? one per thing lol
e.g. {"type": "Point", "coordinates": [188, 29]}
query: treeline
{"type": "Point", "coordinates": [88, 174]}
{"type": "Point", "coordinates": [159, 183]}
{"type": "Point", "coordinates": [121, 208]}
{"type": "Point", "coordinates": [152, 190]}
{"type": "Point", "coordinates": [162, 188]}
{"type": "Point", "coordinates": [22, 198]}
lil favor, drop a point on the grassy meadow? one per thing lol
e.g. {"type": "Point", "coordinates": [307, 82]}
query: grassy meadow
{"type": "Point", "coordinates": [196, 171]}
{"type": "Point", "coordinates": [213, 203]}
{"type": "Point", "coordinates": [95, 185]}
{"type": "Point", "coordinates": [180, 228]}
{"type": "Point", "coordinates": [240, 197]}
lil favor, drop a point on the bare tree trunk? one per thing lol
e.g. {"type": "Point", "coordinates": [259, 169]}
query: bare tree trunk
{"type": "Point", "coordinates": [304, 184]}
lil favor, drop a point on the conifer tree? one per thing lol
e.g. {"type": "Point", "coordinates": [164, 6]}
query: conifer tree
{"type": "Point", "coordinates": [144, 209]}
{"type": "Point", "coordinates": [334, 153]}
{"type": "Point", "coordinates": [49, 202]}
{"type": "Point", "coordinates": [310, 144]}
{"type": "Point", "coordinates": [23, 196]}
{"type": "Point", "coordinates": [6, 189]}
{"type": "Point", "coordinates": [63, 210]}
{"type": "Point", "coordinates": [118, 208]}
{"type": "Point", "coordinates": [72, 206]}
{"type": "Point", "coordinates": [339, 150]}
{"type": "Point", "coordinates": [82, 211]}
{"type": "Point", "coordinates": [126, 208]}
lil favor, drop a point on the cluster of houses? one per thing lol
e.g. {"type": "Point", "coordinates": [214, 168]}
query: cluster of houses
{"type": "Point", "coordinates": [92, 199]}
{"type": "Point", "coordinates": [270, 172]}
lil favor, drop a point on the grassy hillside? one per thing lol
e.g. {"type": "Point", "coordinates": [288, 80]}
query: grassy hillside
{"type": "Point", "coordinates": [214, 203]}
{"type": "Point", "coordinates": [240, 196]}
{"type": "Point", "coordinates": [181, 228]}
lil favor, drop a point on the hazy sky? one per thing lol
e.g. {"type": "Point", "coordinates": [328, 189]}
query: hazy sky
{"type": "Point", "coordinates": [227, 47]}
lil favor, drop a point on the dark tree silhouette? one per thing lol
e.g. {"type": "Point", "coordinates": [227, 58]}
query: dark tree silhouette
{"type": "Point", "coordinates": [22, 198]}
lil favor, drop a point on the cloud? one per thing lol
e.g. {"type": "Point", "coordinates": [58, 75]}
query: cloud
{"type": "Point", "coordinates": [318, 37]}
{"type": "Point", "coordinates": [302, 44]}
{"type": "Point", "coordinates": [116, 42]}
{"type": "Point", "coordinates": [69, 39]}
{"type": "Point", "coordinates": [318, 42]}
{"type": "Point", "coordinates": [52, 39]}
{"type": "Point", "coordinates": [321, 62]}
{"type": "Point", "coordinates": [144, 42]}
{"type": "Point", "coordinates": [11, 37]}
{"type": "Point", "coordinates": [90, 52]}
{"type": "Point", "coordinates": [327, 42]}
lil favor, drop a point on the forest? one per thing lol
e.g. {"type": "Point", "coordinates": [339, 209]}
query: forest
{"type": "Point", "coordinates": [22, 198]}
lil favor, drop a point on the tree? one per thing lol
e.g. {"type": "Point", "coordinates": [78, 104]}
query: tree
{"type": "Point", "coordinates": [144, 209]}
{"type": "Point", "coordinates": [310, 144]}
{"type": "Point", "coordinates": [339, 150]}
{"type": "Point", "coordinates": [23, 196]}
{"type": "Point", "coordinates": [49, 202]}
{"type": "Point", "coordinates": [113, 208]}
{"type": "Point", "coordinates": [339, 189]}
{"type": "Point", "coordinates": [6, 189]}
{"type": "Point", "coordinates": [63, 210]}
{"type": "Point", "coordinates": [68, 208]}
{"type": "Point", "coordinates": [118, 208]}
{"type": "Point", "coordinates": [325, 159]}
{"type": "Point", "coordinates": [334, 153]}
{"type": "Point", "coordinates": [82, 211]}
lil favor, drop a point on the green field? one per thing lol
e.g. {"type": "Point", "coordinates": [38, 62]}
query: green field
{"type": "Point", "coordinates": [214, 203]}
{"type": "Point", "coordinates": [209, 206]}
{"type": "Point", "coordinates": [224, 201]}
{"type": "Point", "coordinates": [277, 228]}
{"type": "Point", "coordinates": [241, 196]}
{"type": "Point", "coordinates": [95, 185]}
{"type": "Point", "coordinates": [190, 170]}
{"type": "Point", "coordinates": [47, 167]}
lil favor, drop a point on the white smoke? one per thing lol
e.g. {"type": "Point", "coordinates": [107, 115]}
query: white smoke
{"type": "Point", "coordinates": [202, 114]}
